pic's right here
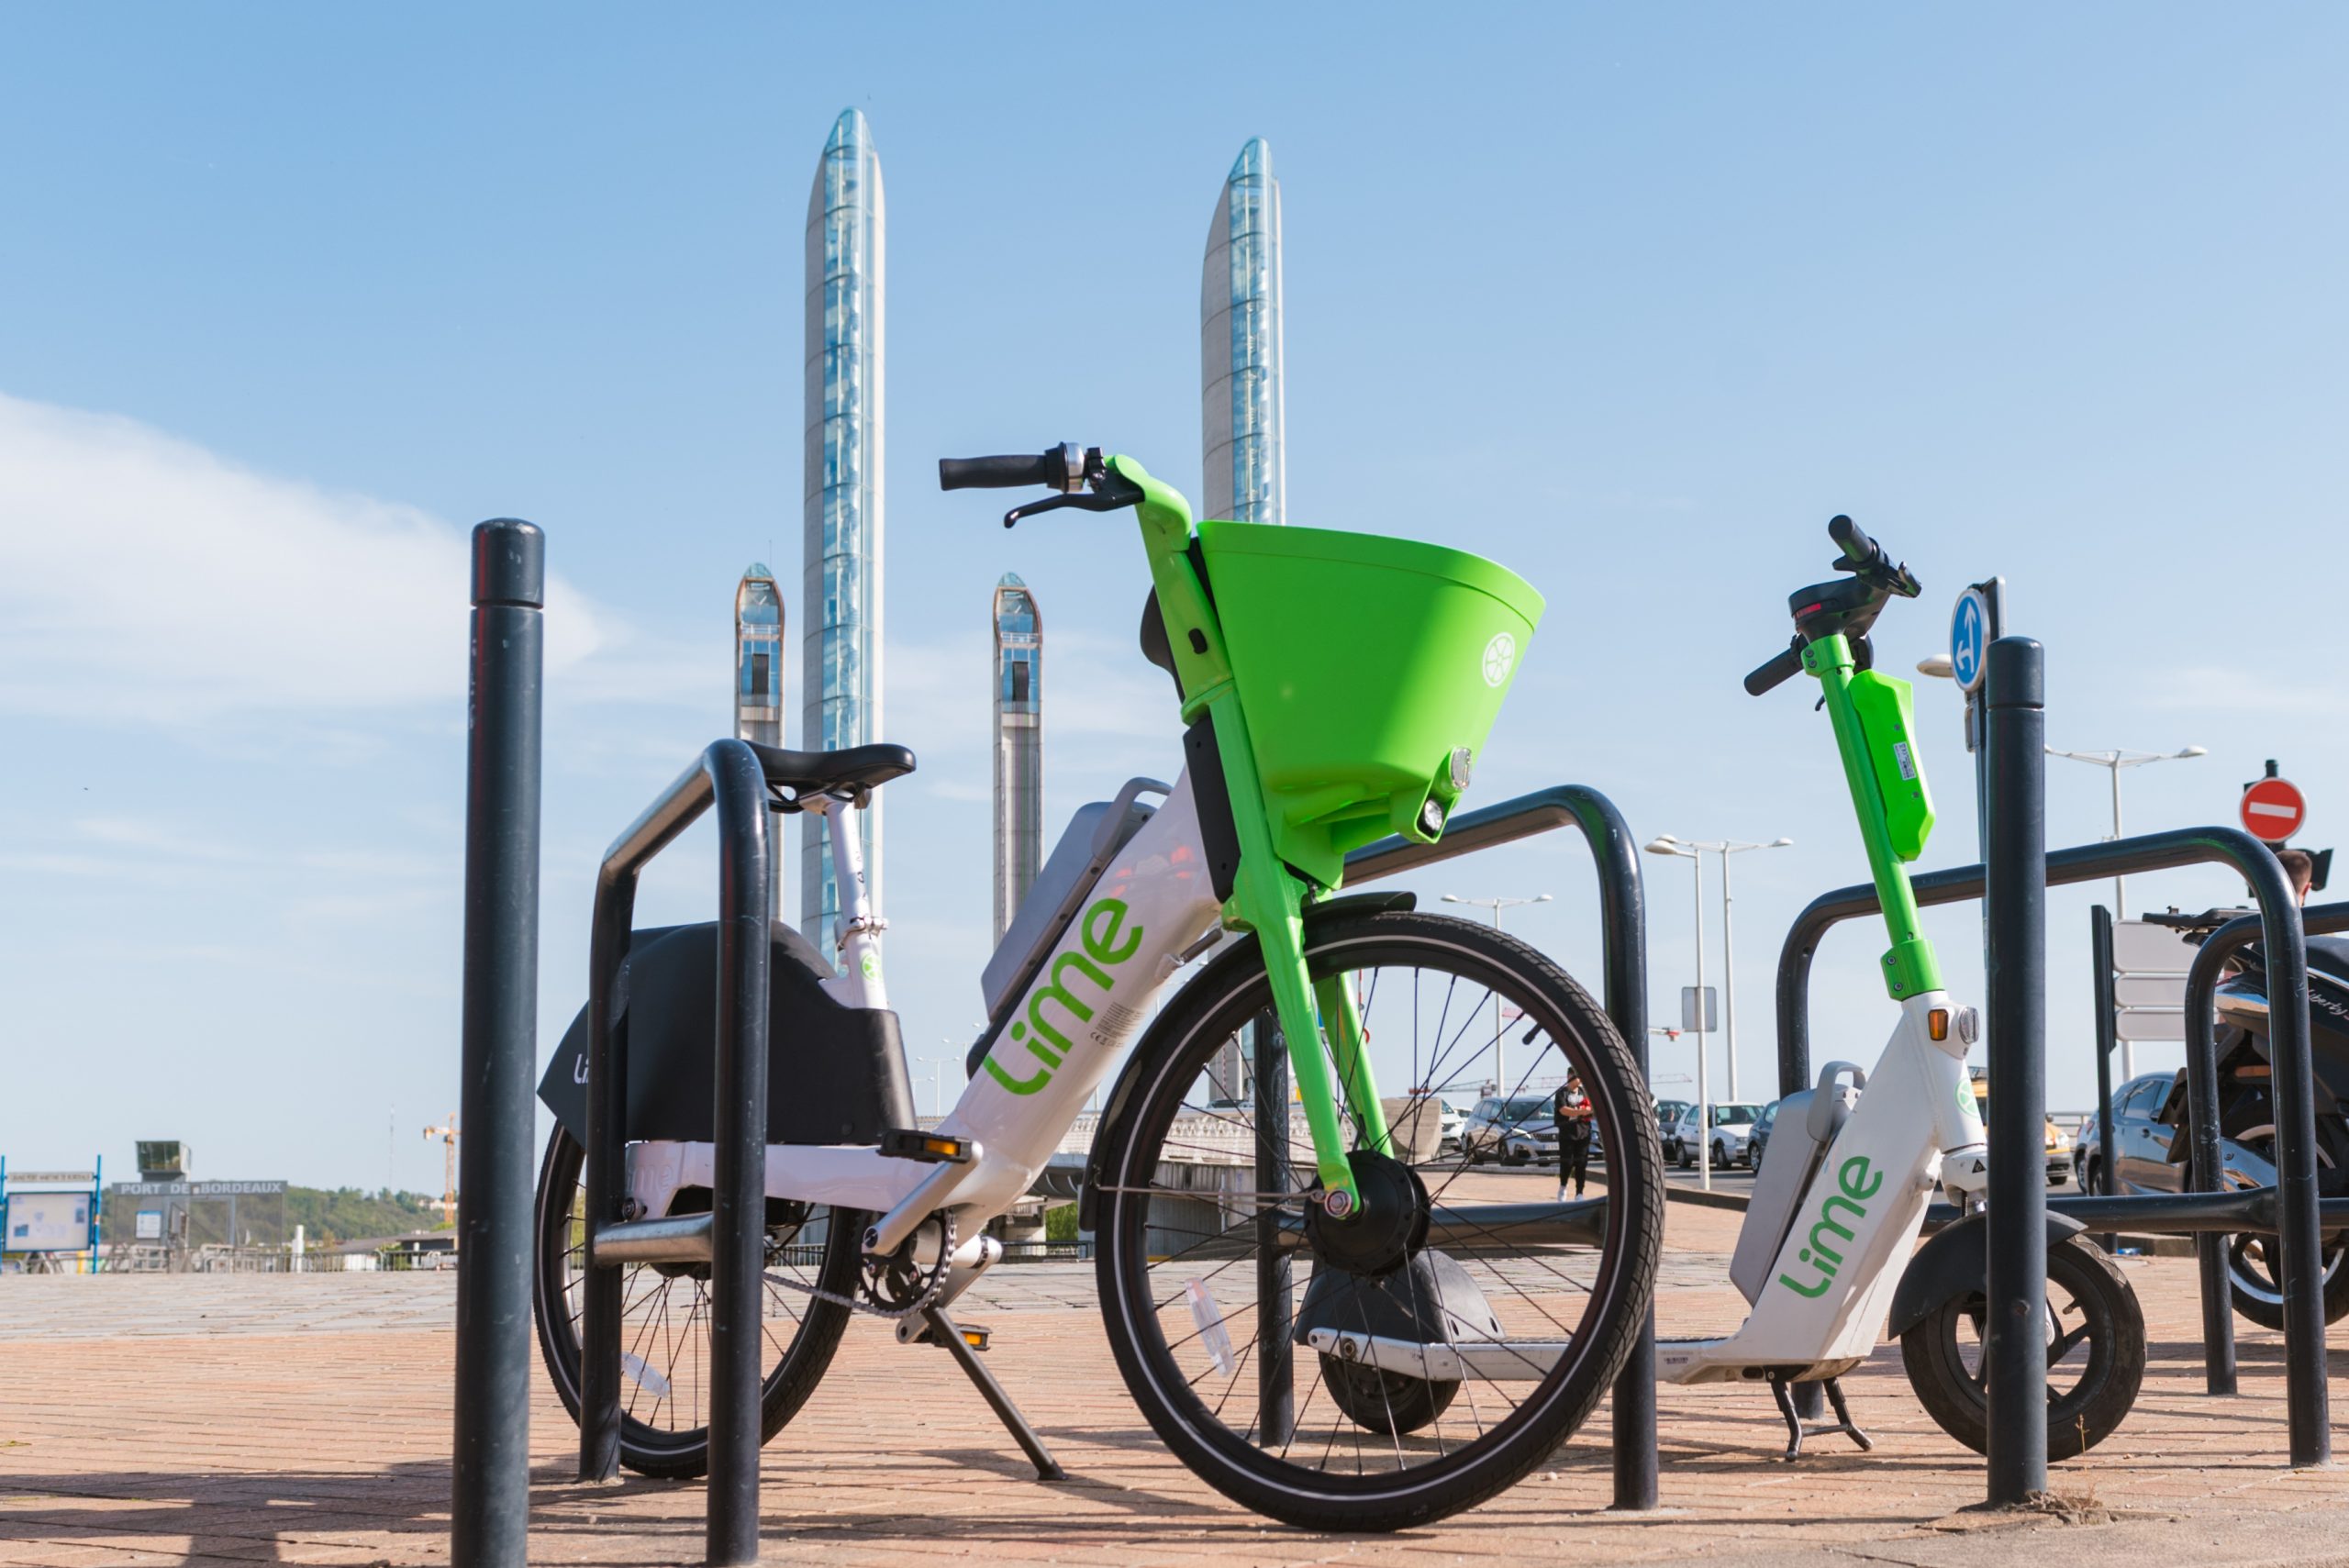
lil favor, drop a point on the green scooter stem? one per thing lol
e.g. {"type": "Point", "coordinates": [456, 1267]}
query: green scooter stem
{"type": "Point", "coordinates": [1909, 967]}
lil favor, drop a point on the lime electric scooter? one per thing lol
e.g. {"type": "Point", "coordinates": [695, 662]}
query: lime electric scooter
{"type": "Point", "coordinates": [1825, 1253]}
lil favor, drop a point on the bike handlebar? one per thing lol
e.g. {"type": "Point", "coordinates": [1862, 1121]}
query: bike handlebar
{"type": "Point", "coordinates": [1858, 548]}
{"type": "Point", "coordinates": [1778, 671]}
{"type": "Point", "coordinates": [1002, 473]}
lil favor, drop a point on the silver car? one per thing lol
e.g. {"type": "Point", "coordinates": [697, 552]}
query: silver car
{"type": "Point", "coordinates": [1733, 1124]}
{"type": "Point", "coordinates": [1516, 1130]}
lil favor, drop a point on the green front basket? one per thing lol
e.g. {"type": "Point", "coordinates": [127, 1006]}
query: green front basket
{"type": "Point", "coordinates": [1364, 663]}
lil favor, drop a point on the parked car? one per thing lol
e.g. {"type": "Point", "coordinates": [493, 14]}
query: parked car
{"type": "Point", "coordinates": [2059, 1146]}
{"type": "Point", "coordinates": [1732, 1123]}
{"type": "Point", "coordinates": [1452, 1119]}
{"type": "Point", "coordinates": [1515, 1129]}
{"type": "Point", "coordinates": [1757, 1142]}
{"type": "Point", "coordinates": [1668, 1116]}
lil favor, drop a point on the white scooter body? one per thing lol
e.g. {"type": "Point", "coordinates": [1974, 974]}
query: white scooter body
{"type": "Point", "coordinates": [1830, 1286]}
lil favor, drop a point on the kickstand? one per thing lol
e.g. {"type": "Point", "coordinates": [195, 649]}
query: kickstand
{"type": "Point", "coordinates": [943, 1331]}
{"type": "Point", "coordinates": [1783, 1392]}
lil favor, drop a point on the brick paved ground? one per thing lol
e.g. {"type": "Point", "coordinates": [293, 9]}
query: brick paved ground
{"type": "Point", "coordinates": [218, 1420]}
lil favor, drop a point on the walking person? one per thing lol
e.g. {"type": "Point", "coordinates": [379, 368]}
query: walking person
{"type": "Point", "coordinates": [1571, 1110]}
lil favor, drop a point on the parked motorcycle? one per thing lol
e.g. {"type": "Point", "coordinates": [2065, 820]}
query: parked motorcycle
{"type": "Point", "coordinates": [2247, 1108]}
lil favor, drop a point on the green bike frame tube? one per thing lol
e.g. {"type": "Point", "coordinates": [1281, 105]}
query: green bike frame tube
{"type": "Point", "coordinates": [1342, 1019]}
{"type": "Point", "coordinates": [1910, 966]}
{"type": "Point", "coordinates": [1266, 898]}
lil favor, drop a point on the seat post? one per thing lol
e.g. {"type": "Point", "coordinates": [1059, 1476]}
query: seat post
{"type": "Point", "coordinates": [858, 937]}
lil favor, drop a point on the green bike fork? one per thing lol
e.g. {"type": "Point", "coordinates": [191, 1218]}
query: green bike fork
{"type": "Point", "coordinates": [1266, 897]}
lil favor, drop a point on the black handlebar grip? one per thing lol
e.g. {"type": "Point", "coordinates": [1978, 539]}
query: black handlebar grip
{"type": "Point", "coordinates": [1785, 667]}
{"type": "Point", "coordinates": [1858, 548]}
{"type": "Point", "coordinates": [1000, 472]}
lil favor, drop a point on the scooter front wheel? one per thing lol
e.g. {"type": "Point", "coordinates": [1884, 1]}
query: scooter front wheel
{"type": "Point", "coordinates": [1384, 1371]}
{"type": "Point", "coordinates": [2096, 1355]}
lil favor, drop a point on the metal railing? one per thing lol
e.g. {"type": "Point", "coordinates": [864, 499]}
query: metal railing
{"type": "Point", "coordinates": [732, 1235]}
{"type": "Point", "coordinates": [1624, 994]}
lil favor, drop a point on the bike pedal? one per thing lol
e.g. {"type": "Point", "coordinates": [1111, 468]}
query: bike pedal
{"type": "Point", "coordinates": [972, 1334]}
{"type": "Point", "coordinates": [912, 1144]}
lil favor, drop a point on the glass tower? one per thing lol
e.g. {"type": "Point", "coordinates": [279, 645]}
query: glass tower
{"type": "Point", "coordinates": [1018, 747]}
{"type": "Point", "coordinates": [1241, 413]}
{"type": "Point", "coordinates": [758, 680]}
{"type": "Point", "coordinates": [846, 239]}
{"type": "Point", "coordinates": [1240, 346]}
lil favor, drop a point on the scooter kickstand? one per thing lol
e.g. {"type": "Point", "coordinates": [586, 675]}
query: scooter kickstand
{"type": "Point", "coordinates": [1782, 1391]}
{"type": "Point", "coordinates": [943, 1331]}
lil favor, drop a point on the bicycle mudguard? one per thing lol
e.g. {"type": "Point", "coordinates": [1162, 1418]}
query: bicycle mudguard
{"type": "Point", "coordinates": [835, 1074]}
{"type": "Point", "coordinates": [1956, 1260]}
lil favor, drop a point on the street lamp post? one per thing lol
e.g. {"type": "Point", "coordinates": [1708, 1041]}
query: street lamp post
{"type": "Point", "coordinates": [1501, 1040]}
{"type": "Point", "coordinates": [1665, 844]}
{"type": "Point", "coordinates": [2112, 762]}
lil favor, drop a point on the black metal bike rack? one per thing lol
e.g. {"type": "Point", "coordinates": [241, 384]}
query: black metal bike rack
{"type": "Point", "coordinates": [490, 1484]}
{"type": "Point", "coordinates": [732, 1236]}
{"type": "Point", "coordinates": [2264, 1208]}
{"type": "Point", "coordinates": [2292, 1209]}
{"type": "Point", "coordinates": [1623, 926]}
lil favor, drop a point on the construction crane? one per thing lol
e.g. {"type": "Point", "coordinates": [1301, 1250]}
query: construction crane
{"type": "Point", "coordinates": [447, 1202]}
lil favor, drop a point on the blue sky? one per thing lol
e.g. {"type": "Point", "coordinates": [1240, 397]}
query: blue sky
{"type": "Point", "coordinates": [1630, 300]}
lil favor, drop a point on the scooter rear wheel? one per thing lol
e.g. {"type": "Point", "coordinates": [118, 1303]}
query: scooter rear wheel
{"type": "Point", "coordinates": [2096, 1355]}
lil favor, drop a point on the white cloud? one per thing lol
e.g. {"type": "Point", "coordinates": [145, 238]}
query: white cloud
{"type": "Point", "coordinates": [144, 577]}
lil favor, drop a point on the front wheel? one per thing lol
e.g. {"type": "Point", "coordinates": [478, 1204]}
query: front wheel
{"type": "Point", "coordinates": [1389, 1370]}
{"type": "Point", "coordinates": [2095, 1354]}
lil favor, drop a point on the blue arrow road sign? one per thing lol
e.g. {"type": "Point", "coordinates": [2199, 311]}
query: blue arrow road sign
{"type": "Point", "coordinates": [1970, 627]}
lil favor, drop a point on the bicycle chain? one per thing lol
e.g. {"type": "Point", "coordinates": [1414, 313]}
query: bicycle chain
{"type": "Point", "coordinates": [931, 1288]}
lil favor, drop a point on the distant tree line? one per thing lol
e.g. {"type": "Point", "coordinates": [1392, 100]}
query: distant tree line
{"type": "Point", "coordinates": [346, 1214]}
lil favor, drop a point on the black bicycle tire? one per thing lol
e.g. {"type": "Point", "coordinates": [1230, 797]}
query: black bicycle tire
{"type": "Point", "coordinates": [683, 1454]}
{"type": "Point", "coordinates": [1235, 988]}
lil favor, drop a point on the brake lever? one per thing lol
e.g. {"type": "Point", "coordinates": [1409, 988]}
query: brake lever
{"type": "Point", "coordinates": [1110, 493]}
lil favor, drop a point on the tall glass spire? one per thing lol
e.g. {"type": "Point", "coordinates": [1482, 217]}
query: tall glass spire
{"type": "Point", "coordinates": [758, 680]}
{"type": "Point", "coordinates": [1019, 746]}
{"type": "Point", "coordinates": [1240, 346]}
{"type": "Point", "coordinates": [1242, 407]}
{"type": "Point", "coordinates": [846, 239]}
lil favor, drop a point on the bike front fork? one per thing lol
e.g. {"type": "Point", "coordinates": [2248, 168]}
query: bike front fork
{"type": "Point", "coordinates": [1271, 901]}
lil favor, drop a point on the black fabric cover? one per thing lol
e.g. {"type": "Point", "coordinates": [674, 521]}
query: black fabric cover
{"type": "Point", "coordinates": [835, 1074]}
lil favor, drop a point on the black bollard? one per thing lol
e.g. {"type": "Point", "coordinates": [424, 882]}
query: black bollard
{"type": "Point", "coordinates": [2015, 918]}
{"type": "Point", "coordinates": [737, 1262]}
{"type": "Point", "coordinates": [1276, 1293]}
{"type": "Point", "coordinates": [490, 1500]}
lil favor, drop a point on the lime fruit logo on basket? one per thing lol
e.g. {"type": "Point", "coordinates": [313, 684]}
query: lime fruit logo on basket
{"type": "Point", "coordinates": [1501, 658]}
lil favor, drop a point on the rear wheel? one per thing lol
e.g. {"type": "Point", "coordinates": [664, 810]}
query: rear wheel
{"type": "Point", "coordinates": [2254, 1272]}
{"type": "Point", "coordinates": [1429, 1353]}
{"type": "Point", "coordinates": [664, 1317]}
{"type": "Point", "coordinates": [2095, 1354]}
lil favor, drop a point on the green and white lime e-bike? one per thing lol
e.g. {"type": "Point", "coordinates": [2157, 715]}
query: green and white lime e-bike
{"type": "Point", "coordinates": [1333, 688]}
{"type": "Point", "coordinates": [1823, 1256]}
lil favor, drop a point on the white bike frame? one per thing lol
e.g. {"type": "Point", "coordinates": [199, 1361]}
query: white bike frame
{"type": "Point", "coordinates": [1067, 1031]}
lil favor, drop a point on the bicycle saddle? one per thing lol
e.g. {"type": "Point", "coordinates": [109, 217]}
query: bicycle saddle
{"type": "Point", "coordinates": [853, 769]}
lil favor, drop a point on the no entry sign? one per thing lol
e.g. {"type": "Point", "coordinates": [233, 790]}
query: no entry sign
{"type": "Point", "coordinates": [2273, 809]}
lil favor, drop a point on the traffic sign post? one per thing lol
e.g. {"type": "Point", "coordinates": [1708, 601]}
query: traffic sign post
{"type": "Point", "coordinates": [1976, 620]}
